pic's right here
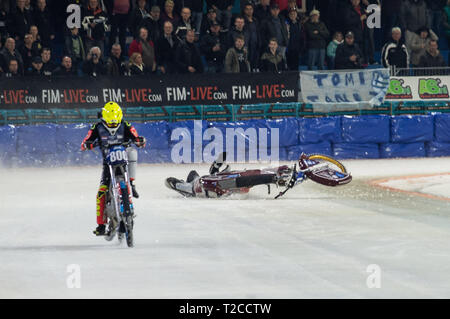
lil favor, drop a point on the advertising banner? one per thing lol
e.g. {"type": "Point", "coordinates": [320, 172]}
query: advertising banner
{"type": "Point", "coordinates": [419, 88]}
{"type": "Point", "coordinates": [344, 90]}
{"type": "Point", "coordinates": [169, 90]}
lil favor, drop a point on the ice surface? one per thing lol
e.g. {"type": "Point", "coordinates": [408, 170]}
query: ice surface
{"type": "Point", "coordinates": [436, 185]}
{"type": "Point", "coordinates": [314, 242]}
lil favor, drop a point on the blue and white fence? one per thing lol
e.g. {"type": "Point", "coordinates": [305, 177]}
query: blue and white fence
{"type": "Point", "coordinates": [345, 137]}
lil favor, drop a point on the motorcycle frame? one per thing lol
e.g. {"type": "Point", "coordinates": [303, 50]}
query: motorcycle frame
{"type": "Point", "coordinates": [114, 191]}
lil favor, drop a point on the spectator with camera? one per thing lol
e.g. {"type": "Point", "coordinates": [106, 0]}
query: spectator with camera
{"type": "Point", "coordinates": [348, 54]}
{"type": "Point", "coordinates": [144, 46]}
{"type": "Point", "coordinates": [94, 65]}
{"type": "Point", "coordinates": [116, 65]}
{"type": "Point", "coordinates": [165, 49]}
{"type": "Point", "coordinates": [94, 23]}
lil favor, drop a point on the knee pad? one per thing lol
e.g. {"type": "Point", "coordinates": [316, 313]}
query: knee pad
{"type": "Point", "coordinates": [132, 162]}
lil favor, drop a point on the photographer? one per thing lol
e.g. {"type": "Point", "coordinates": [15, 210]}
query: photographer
{"type": "Point", "coordinates": [94, 65]}
{"type": "Point", "coordinates": [348, 54]}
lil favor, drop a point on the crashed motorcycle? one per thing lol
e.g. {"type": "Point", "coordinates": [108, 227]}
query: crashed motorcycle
{"type": "Point", "coordinates": [221, 182]}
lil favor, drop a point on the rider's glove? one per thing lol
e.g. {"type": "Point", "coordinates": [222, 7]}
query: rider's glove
{"type": "Point", "coordinates": [140, 141]}
{"type": "Point", "coordinates": [88, 145]}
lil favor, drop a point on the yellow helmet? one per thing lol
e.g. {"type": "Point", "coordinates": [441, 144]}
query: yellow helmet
{"type": "Point", "coordinates": [112, 114]}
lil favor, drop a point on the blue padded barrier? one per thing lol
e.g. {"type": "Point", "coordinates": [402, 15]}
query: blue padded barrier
{"type": "Point", "coordinates": [243, 140]}
{"type": "Point", "coordinates": [36, 145]}
{"type": "Point", "coordinates": [410, 129]}
{"type": "Point", "coordinates": [413, 135]}
{"type": "Point", "coordinates": [156, 133]}
{"type": "Point", "coordinates": [185, 132]}
{"type": "Point", "coordinates": [68, 147]}
{"type": "Point", "coordinates": [435, 149]}
{"type": "Point", "coordinates": [393, 150]}
{"type": "Point", "coordinates": [149, 155]}
{"type": "Point", "coordinates": [442, 127]}
{"type": "Point", "coordinates": [365, 129]}
{"type": "Point", "coordinates": [283, 154]}
{"type": "Point", "coordinates": [294, 152]}
{"type": "Point", "coordinates": [190, 126]}
{"type": "Point", "coordinates": [349, 150]}
{"type": "Point", "coordinates": [7, 143]}
{"type": "Point", "coordinates": [316, 130]}
{"type": "Point", "coordinates": [288, 131]}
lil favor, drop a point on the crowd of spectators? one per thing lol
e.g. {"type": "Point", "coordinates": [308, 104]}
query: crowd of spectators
{"type": "Point", "coordinates": [135, 37]}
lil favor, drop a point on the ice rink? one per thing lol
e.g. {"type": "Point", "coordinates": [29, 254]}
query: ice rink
{"type": "Point", "coordinates": [316, 242]}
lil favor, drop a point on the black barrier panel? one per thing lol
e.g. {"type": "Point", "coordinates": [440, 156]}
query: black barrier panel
{"type": "Point", "coordinates": [180, 89]}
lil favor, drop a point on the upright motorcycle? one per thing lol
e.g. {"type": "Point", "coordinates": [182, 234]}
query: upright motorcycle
{"type": "Point", "coordinates": [119, 204]}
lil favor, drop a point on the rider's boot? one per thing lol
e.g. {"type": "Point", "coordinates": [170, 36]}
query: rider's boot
{"type": "Point", "coordinates": [133, 188]}
{"type": "Point", "coordinates": [100, 230]}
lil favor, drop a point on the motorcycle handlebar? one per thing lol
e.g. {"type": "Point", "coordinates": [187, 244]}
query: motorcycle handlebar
{"type": "Point", "coordinates": [97, 144]}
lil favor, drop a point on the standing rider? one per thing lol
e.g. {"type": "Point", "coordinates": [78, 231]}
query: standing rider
{"type": "Point", "coordinates": [112, 130]}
